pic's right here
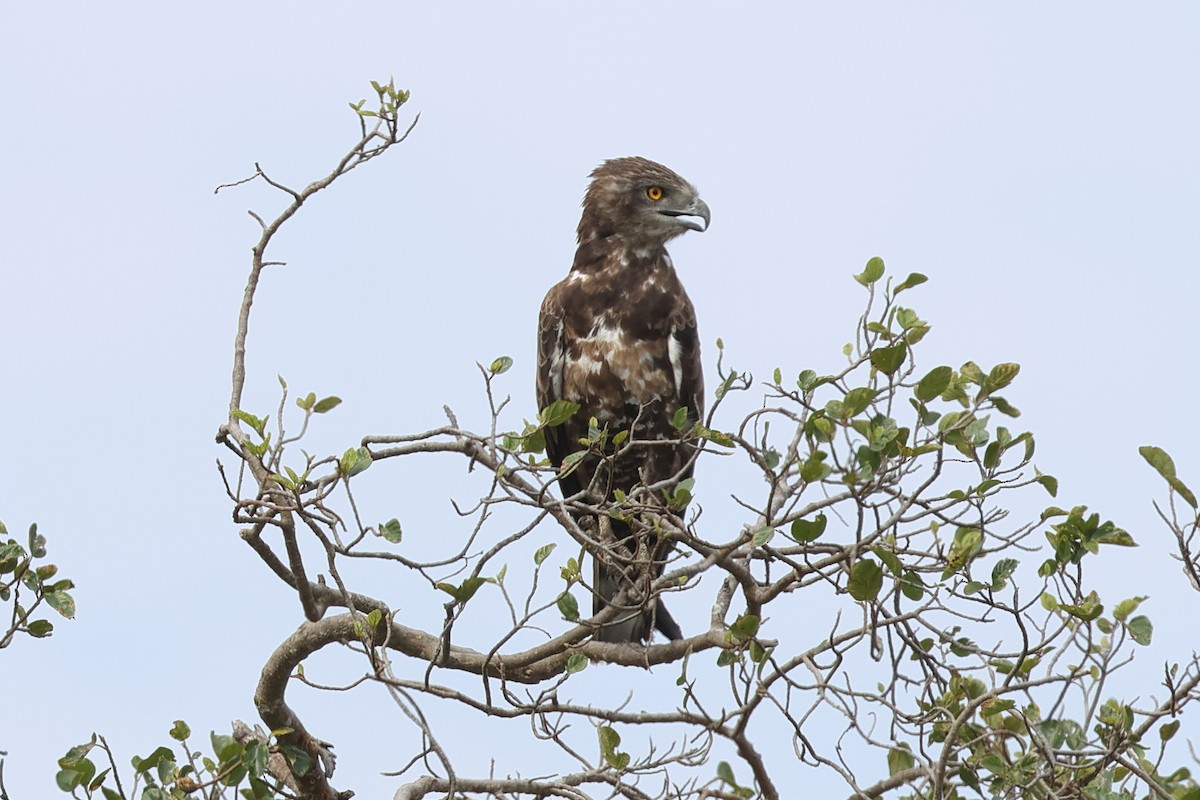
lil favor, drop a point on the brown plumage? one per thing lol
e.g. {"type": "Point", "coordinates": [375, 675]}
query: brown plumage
{"type": "Point", "coordinates": [618, 337]}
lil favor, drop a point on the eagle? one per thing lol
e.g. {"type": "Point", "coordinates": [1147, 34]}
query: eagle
{"type": "Point", "coordinates": [618, 337]}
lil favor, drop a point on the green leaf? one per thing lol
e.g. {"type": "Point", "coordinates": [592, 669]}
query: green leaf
{"type": "Point", "coordinates": [716, 437]}
{"type": "Point", "coordinates": [557, 413]}
{"type": "Point", "coordinates": [681, 495]}
{"type": "Point", "coordinates": [889, 560]}
{"type": "Point", "coordinates": [570, 571]}
{"type": "Point", "coordinates": [814, 468]}
{"type": "Point", "coordinates": [1003, 570]}
{"type": "Point", "coordinates": [1050, 483]}
{"type": "Point", "coordinates": [79, 751]}
{"type": "Point", "coordinates": [866, 579]}
{"type": "Point", "coordinates": [1025, 667]}
{"type": "Point", "coordinates": [255, 760]}
{"type": "Point", "coordinates": [259, 424]}
{"type": "Point", "coordinates": [68, 779]}
{"type": "Point", "coordinates": [1000, 376]}
{"type": "Point", "coordinates": [871, 273]}
{"type": "Point", "coordinates": [307, 402]}
{"type": "Point", "coordinates": [37, 542]}
{"type": "Point", "coordinates": [680, 419]}
{"type": "Point", "coordinates": [995, 707]}
{"type": "Point", "coordinates": [762, 536]}
{"type": "Point", "coordinates": [804, 530]}
{"type": "Point", "coordinates": [40, 628]}
{"type": "Point", "coordinates": [913, 279]}
{"type": "Point", "coordinates": [160, 754]}
{"type": "Point", "coordinates": [62, 603]}
{"type": "Point", "coordinates": [1005, 407]}
{"type": "Point", "coordinates": [933, 384]}
{"type": "Point", "coordinates": [297, 758]}
{"type": "Point", "coordinates": [857, 400]}
{"type": "Point", "coordinates": [327, 404]}
{"type": "Point", "coordinates": [994, 764]}
{"type": "Point", "coordinates": [911, 585]}
{"type": "Point", "coordinates": [465, 590]}
{"type": "Point", "coordinates": [391, 530]}
{"type": "Point", "coordinates": [534, 441]}
{"type": "Point", "coordinates": [889, 359]}
{"type": "Point", "coordinates": [971, 372]}
{"type": "Point", "coordinates": [468, 588]}
{"type": "Point", "coordinates": [1140, 629]}
{"type": "Point", "coordinates": [286, 483]}
{"type": "Point", "coordinates": [725, 773]}
{"type": "Point", "coordinates": [1088, 610]}
{"type": "Point", "coordinates": [166, 768]}
{"type": "Point", "coordinates": [501, 365]}
{"type": "Point", "coordinates": [568, 606]}
{"type": "Point", "coordinates": [967, 542]}
{"type": "Point", "coordinates": [991, 458]}
{"type": "Point", "coordinates": [87, 771]}
{"type": "Point", "coordinates": [610, 740]}
{"type": "Point", "coordinates": [820, 427]}
{"type": "Point", "coordinates": [354, 461]}
{"type": "Point", "coordinates": [1127, 607]}
{"type": "Point", "coordinates": [1166, 732]}
{"type": "Point", "coordinates": [899, 759]}
{"type": "Point", "coordinates": [969, 777]}
{"type": "Point", "coordinates": [576, 662]}
{"type": "Point", "coordinates": [543, 552]}
{"type": "Point", "coordinates": [1165, 466]}
{"type": "Point", "coordinates": [744, 627]}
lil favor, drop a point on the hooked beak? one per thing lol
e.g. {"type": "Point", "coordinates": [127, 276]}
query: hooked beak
{"type": "Point", "coordinates": [694, 216]}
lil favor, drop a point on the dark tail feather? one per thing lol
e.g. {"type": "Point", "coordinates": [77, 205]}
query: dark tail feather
{"type": "Point", "coordinates": [664, 622]}
{"type": "Point", "coordinates": [630, 625]}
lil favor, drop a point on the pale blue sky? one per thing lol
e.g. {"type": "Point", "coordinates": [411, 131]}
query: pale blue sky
{"type": "Point", "coordinates": [1039, 163]}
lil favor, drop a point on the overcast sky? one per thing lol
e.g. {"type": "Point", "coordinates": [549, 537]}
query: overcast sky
{"type": "Point", "coordinates": [1039, 162]}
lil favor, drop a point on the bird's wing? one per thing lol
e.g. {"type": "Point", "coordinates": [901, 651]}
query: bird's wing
{"type": "Point", "coordinates": [551, 364]}
{"type": "Point", "coordinates": [683, 348]}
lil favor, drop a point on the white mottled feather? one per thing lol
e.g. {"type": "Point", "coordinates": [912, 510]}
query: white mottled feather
{"type": "Point", "coordinates": [675, 353]}
{"type": "Point", "coordinates": [558, 363]}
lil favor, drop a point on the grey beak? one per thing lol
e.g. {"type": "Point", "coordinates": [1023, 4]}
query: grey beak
{"type": "Point", "coordinates": [694, 216]}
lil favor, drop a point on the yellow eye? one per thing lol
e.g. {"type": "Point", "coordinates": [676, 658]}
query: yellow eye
{"type": "Point", "coordinates": [654, 193]}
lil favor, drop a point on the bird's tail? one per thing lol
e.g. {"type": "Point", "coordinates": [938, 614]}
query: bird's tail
{"type": "Point", "coordinates": [633, 623]}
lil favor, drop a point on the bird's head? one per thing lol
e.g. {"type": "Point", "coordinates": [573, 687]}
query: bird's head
{"type": "Point", "coordinates": [641, 201]}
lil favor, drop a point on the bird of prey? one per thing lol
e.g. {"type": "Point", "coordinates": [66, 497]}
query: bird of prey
{"type": "Point", "coordinates": [618, 337]}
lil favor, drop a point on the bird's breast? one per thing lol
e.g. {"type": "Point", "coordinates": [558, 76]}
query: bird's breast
{"type": "Point", "coordinates": [609, 369]}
